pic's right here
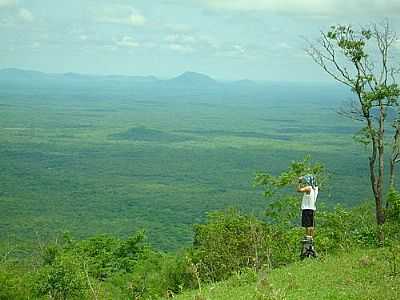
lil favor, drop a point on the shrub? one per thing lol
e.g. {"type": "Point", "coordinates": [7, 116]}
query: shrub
{"type": "Point", "coordinates": [105, 255]}
{"type": "Point", "coordinates": [63, 279]}
{"type": "Point", "coordinates": [158, 275]}
{"type": "Point", "coordinates": [341, 228]}
{"type": "Point", "coordinates": [229, 242]}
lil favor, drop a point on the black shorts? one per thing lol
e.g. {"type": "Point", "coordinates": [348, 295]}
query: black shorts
{"type": "Point", "coordinates": [307, 218]}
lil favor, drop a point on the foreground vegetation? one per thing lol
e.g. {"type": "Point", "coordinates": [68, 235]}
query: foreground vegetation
{"type": "Point", "coordinates": [253, 259]}
{"type": "Point", "coordinates": [358, 274]}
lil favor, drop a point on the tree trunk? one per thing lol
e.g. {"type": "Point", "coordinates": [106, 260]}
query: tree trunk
{"type": "Point", "coordinates": [380, 214]}
{"type": "Point", "coordinates": [376, 178]}
{"type": "Point", "coordinates": [376, 185]}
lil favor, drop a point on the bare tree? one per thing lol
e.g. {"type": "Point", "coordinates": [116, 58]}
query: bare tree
{"type": "Point", "coordinates": [361, 59]}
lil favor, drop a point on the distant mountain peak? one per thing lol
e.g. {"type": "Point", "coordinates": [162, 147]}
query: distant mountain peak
{"type": "Point", "coordinates": [193, 78]}
{"type": "Point", "coordinates": [194, 74]}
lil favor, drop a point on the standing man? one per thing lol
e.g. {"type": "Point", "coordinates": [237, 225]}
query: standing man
{"type": "Point", "coordinates": [308, 186]}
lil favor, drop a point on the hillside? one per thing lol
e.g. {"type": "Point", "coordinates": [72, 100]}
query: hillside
{"type": "Point", "coordinates": [233, 256]}
{"type": "Point", "coordinates": [361, 274]}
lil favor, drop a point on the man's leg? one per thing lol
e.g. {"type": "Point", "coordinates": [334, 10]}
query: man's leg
{"type": "Point", "coordinates": [310, 227]}
{"type": "Point", "coordinates": [310, 231]}
{"type": "Point", "coordinates": [308, 241]}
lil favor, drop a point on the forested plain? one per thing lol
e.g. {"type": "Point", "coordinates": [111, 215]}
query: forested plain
{"type": "Point", "coordinates": [94, 155]}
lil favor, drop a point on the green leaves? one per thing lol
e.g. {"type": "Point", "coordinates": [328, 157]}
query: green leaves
{"type": "Point", "coordinates": [367, 33]}
{"type": "Point", "coordinates": [351, 43]}
{"type": "Point", "coordinates": [64, 279]}
{"type": "Point", "coordinates": [390, 93]}
{"type": "Point", "coordinates": [106, 255]}
{"type": "Point", "coordinates": [272, 184]}
{"type": "Point", "coordinates": [228, 242]}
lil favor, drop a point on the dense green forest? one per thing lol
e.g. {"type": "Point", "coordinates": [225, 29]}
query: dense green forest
{"type": "Point", "coordinates": [99, 155]}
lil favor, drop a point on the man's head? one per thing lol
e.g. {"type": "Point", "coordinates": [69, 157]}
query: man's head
{"type": "Point", "coordinates": [309, 180]}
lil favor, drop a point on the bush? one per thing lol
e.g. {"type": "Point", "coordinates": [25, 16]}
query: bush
{"type": "Point", "coordinates": [63, 279]}
{"type": "Point", "coordinates": [160, 275]}
{"type": "Point", "coordinates": [70, 268]}
{"type": "Point", "coordinates": [178, 273]}
{"type": "Point", "coordinates": [342, 229]}
{"type": "Point", "coordinates": [106, 255]}
{"type": "Point", "coordinates": [129, 269]}
{"type": "Point", "coordinates": [229, 242]}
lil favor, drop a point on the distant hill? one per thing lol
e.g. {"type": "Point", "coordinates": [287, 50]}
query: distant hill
{"type": "Point", "coordinates": [197, 85]}
{"type": "Point", "coordinates": [14, 74]}
{"type": "Point", "coordinates": [192, 79]}
{"type": "Point", "coordinates": [186, 82]}
{"type": "Point", "coordinates": [18, 74]}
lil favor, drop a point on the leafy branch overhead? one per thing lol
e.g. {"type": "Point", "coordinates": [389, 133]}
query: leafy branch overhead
{"type": "Point", "coordinates": [289, 177]}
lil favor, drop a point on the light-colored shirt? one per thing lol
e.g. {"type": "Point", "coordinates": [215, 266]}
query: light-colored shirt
{"type": "Point", "coordinates": [310, 199]}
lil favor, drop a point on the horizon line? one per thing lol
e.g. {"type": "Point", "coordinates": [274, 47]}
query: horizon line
{"type": "Point", "coordinates": [167, 78]}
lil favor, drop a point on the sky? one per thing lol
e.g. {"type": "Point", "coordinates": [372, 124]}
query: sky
{"type": "Point", "coordinates": [226, 39]}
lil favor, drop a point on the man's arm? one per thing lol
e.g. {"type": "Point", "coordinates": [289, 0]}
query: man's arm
{"type": "Point", "coordinates": [306, 189]}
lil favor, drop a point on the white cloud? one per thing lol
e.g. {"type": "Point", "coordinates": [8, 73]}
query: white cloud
{"type": "Point", "coordinates": [25, 15]}
{"type": "Point", "coordinates": [182, 43]}
{"type": "Point", "coordinates": [188, 43]}
{"type": "Point", "coordinates": [128, 42]}
{"type": "Point", "coordinates": [120, 14]}
{"type": "Point", "coordinates": [310, 7]}
{"type": "Point", "coordinates": [181, 39]}
{"type": "Point", "coordinates": [181, 48]}
{"type": "Point", "coordinates": [232, 51]}
{"type": "Point", "coordinates": [8, 3]}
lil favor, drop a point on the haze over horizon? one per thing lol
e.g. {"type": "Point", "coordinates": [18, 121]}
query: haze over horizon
{"type": "Point", "coordinates": [227, 40]}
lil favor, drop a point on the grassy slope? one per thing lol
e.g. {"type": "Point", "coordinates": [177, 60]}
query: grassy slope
{"type": "Point", "coordinates": [358, 275]}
